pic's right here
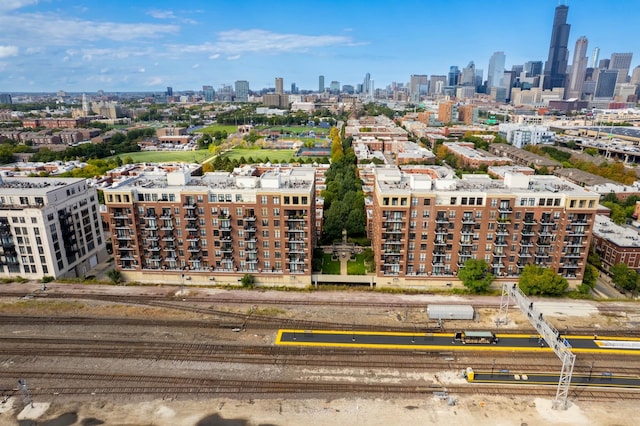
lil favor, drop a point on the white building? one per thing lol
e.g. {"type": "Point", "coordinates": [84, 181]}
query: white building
{"type": "Point", "coordinates": [521, 136]}
{"type": "Point", "coordinates": [49, 227]}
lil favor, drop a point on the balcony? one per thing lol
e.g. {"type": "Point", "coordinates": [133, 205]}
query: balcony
{"type": "Point", "coordinates": [190, 205]}
{"type": "Point", "coordinates": [440, 231]}
{"type": "Point", "coordinates": [503, 219]}
{"type": "Point", "coordinates": [437, 262]}
{"type": "Point", "coordinates": [573, 255]}
{"type": "Point", "coordinates": [579, 221]}
{"type": "Point", "coordinates": [440, 242]}
{"type": "Point", "coordinates": [500, 243]}
{"type": "Point", "coordinates": [249, 218]}
{"type": "Point", "coordinates": [529, 221]}
{"type": "Point", "coordinates": [574, 244]}
{"type": "Point", "coordinates": [524, 255]}
{"type": "Point", "coordinates": [527, 233]}
{"type": "Point", "coordinates": [124, 237]}
{"type": "Point", "coordinates": [225, 225]}
{"type": "Point", "coordinates": [503, 232]}
{"type": "Point", "coordinates": [544, 242]}
{"type": "Point", "coordinates": [541, 255]}
{"type": "Point", "coordinates": [166, 216]}
{"type": "Point", "coordinates": [544, 233]}
{"type": "Point", "coordinates": [468, 220]}
{"type": "Point", "coordinates": [250, 228]}
{"type": "Point", "coordinates": [442, 220]}
{"type": "Point", "coordinates": [573, 233]}
{"type": "Point", "coordinates": [193, 249]}
{"type": "Point", "coordinates": [468, 231]}
{"type": "Point", "coordinates": [393, 231]}
{"type": "Point", "coordinates": [152, 227]}
{"type": "Point", "coordinates": [505, 209]}
{"type": "Point", "coordinates": [169, 249]}
{"type": "Point", "coordinates": [193, 227]}
{"type": "Point", "coordinates": [466, 243]}
{"type": "Point", "coordinates": [526, 243]}
{"type": "Point", "coordinates": [150, 215]}
{"type": "Point", "coordinates": [120, 215]}
{"type": "Point", "coordinates": [190, 216]}
{"type": "Point", "coordinates": [153, 249]}
{"type": "Point", "coordinates": [393, 219]}
{"type": "Point", "coordinates": [226, 249]}
{"type": "Point", "coordinates": [498, 254]}
{"type": "Point", "coordinates": [167, 227]}
{"type": "Point", "coordinates": [499, 265]}
{"type": "Point", "coordinates": [168, 238]}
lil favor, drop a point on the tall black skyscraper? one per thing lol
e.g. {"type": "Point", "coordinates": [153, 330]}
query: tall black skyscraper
{"type": "Point", "coordinates": [555, 69]}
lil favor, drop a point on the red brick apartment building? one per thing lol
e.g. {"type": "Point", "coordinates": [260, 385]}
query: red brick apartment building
{"type": "Point", "coordinates": [424, 229]}
{"type": "Point", "coordinates": [215, 228]}
{"type": "Point", "coordinates": [616, 244]}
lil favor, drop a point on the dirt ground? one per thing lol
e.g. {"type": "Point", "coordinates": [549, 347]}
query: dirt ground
{"type": "Point", "coordinates": [208, 410]}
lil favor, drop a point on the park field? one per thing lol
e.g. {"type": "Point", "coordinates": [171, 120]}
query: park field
{"type": "Point", "coordinates": [167, 156]}
{"type": "Point", "coordinates": [218, 127]}
{"type": "Point", "coordinates": [260, 155]}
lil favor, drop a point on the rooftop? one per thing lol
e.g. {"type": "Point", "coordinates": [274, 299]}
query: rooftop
{"type": "Point", "coordinates": [622, 236]}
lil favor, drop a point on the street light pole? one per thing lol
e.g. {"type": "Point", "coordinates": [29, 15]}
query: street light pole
{"type": "Point", "coordinates": [591, 369]}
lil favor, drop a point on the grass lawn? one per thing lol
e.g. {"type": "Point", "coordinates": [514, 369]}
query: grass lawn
{"type": "Point", "coordinates": [297, 129]}
{"type": "Point", "coordinates": [329, 266]}
{"type": "Point", "coordinates": [167, 156]}
{"type": "Point", "coordinates": [357, 266]}
{"type": "Point", "coordinates": [259, 155]}
{"type": "Point", "coordinates": [218, 127]}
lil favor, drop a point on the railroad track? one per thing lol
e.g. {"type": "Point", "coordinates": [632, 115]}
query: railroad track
{"type": "Point", "coordinates": [154, 386]}
{"type": "Point", "coordinates": [286, 355]}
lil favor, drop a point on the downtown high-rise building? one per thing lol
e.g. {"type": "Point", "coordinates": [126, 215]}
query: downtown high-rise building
{"type": "Point", "coordinates": [279, 86]}
{"type": "Point", "coordinates": [209, 93]}
{"type": "Point", "coordinates": [555, 69]}
{"type": "Point", "coordinates": [578, 69]}
{"type": "Point", "coordinates": [321, 83]}
{"type": "Point", "coordinates": [436, 84]}
{"type": "Point", "coordinates": [606, 84]}
{"type": "Point", "coordinates": [242, 91]}
{"type": "Point", "coordinates": [595, 58]}
{"type": "Point", "coordinates": [366, 84]}
{"type": "Point", "coordinates": [468, 76]}
{"type": "Point", "coordinates": [496, 70]}
{"type": "Point", "coordinates": [622, 63]}
{"type": "Point", "coordinates": [418, 85]}
{"type": "Point", "coordinates": [453, 76]}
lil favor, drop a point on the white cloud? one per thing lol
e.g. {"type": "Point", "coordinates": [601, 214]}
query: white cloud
{"type": "Point", "coordinates": [233, 58]}
{"type": "Point", "coordinates": [154, 81]}
{"type": "Point", "coordinates": [34, 50]}
{"type": "Point", "coordinates": [54, 29]}
{"type": "Point", "coordinates": [195, 66]}
{"type": "Point", "coordinates": [16, 4]}
{"type": "Point", "coordinates": [161, 14]}
{"type": "Point", "coordinates": [141, 70]}
{"type": "Point", "coordinates": [235, 42]}
{"type": "Point", "coordinates": [7, 51]}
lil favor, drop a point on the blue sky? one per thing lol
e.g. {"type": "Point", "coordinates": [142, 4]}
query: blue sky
{"type": "Point", "coordinates": [140, 45]}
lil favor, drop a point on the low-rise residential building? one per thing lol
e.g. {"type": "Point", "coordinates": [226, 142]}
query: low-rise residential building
{"type": "Point", "coordinates": [615, 243]}
{"type": "Point", "coordinates": [471, 157]}
{"type": "Point", "coordinates": [522, 135]}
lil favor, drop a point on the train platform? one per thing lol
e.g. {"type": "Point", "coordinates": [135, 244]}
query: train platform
{"type": "Point", "coordinates": [605, 379]}
{"type": "Point", "coordinates": [445, 341]}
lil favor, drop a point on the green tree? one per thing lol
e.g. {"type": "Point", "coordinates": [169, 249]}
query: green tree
{"type": "Point", "coordinates": [589, 279]}
{"type": "Point", "coordinates": [535, 280]}
{"type": "Point", "coordinates": [475, 275]}
{"type": "Point", "coordinates": [115, 276]}
{"type": "Point", "coordinates": [624, 277]}
{"type": "Point", "coordinates": [248, 281]}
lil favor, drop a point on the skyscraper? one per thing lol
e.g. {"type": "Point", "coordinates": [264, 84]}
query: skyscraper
{"type": "Point", "coordinates": [532, 68]}
{"type": "Point", "coordinates": [622, 63]}
{"type": "Point", "coordinates": [596, 57]}
{"type": "Point", "coordinates": [453, 76]}
{"type": "Point", "coordinates": [496, 70]}
{"type": "Point", "coordinates": [606, 84]}
{"type": "Point", "coordinates": [578, 69]}
{"type": "Point", "coordinates": [321, 84]}
{"type": "Point", "coordinates": [242, 91]}
{"type": "Point", "coordinates": [555, 69]}
{"type": "Point", "coordinates": [366, 84]}
{"type": "Point", "coordinates": [437, 83]}
{"type": "Point", "coordinates": [279, 86]}
{"type": "Point", "coordinates": [169, 91]}
{"type": "Point", "coordinates": [468, 76]}
{"type": "Point", "coordinates": [418, 86]}
{"type": "Point", "coordinates": [209, 93]}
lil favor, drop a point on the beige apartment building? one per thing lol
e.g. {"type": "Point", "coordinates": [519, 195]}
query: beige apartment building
{"type": "Point", "coordinates": [214, 229]}
{"type": "Point", "coordinates": [424, 229]}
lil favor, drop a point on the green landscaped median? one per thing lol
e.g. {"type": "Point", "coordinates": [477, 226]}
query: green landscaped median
{"type": "Point", "coordinates": [166, 156]}
{"type": "Point", "coordinates": [357, 266]}
{"type": "Point", "coordinates": [261, 155]}
{"type": "Point", "coordinates": [331, 267]}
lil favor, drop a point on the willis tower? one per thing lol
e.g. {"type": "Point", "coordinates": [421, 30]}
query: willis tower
{"type": "Point", "coordinates": [555, 69]}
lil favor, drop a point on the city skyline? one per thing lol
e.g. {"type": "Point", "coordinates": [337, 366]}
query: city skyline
{"type": "Point", "coordinates": [145, 46]}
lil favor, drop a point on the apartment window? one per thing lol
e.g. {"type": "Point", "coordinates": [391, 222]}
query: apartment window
{"type": "Point", "coordinates": [494, 202]}
{"type": "Point", "coordinates": [478, 214]}
{"type": "Point", "coordinates": [453, 201]}
{"type": "Point", "coordinates": [414, 202]}
{"type": "Point", "coordinates": [488, 247]}
{"type": "Point", "coordinates": [276, 200]}
{"type": "Point", "coordinates": [426, 202]}
{"type": "Point", "coordinates": [263, 199]}
{"type": "Point", "coordinates": [572, 204]}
